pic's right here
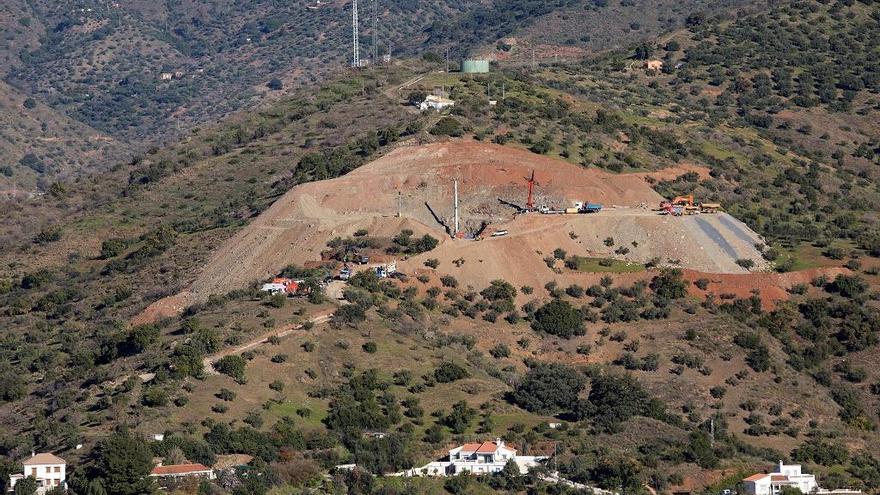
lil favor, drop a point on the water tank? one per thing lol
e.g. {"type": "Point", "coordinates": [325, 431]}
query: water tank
{"type": "Point", "coordinates": [474, 66]}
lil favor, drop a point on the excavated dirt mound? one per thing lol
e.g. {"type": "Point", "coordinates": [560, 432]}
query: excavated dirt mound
{"type": "Point", "coordinates": [410, 179]}
{"type": "Point", "coordinates": [412, 188]}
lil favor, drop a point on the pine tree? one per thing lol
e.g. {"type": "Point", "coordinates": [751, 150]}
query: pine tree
{"type": "Point", "coordinates": [124, 464]}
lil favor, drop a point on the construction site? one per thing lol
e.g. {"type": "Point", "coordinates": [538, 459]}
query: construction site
{"type": "Point", "coordinates": [497, 211]}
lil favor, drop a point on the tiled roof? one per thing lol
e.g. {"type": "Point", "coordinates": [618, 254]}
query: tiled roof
{"type": "Point", "coordinates": [483, 448]}
{"type": "Point", "coordinates": [44, 458]}
{"type": "Point", "coordinates": [779, 477]}
{"type": "Point", "coordinates": [179, 469]}
{"type": "Point", "coordinates": [755, 477]}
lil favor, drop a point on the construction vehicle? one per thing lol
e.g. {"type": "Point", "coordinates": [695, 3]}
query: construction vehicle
{"type": "Point", "coordinates": [680, 205]}
{"type": "Point", "coordinates": [685, 200]}
{"type": "Point", "coordinates": [591, 208]}
{"type": "Point", "coordinates": [709, 207]}
{"type": "Point", "coordinates": [667, 208]}
{"type": "Point", "coordinates": [499, 233]}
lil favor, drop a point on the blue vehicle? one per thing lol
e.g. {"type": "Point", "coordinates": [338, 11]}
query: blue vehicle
{"type": "Point", "coordinates": [592, 208]}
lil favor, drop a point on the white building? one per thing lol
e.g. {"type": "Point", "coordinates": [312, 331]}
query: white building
{"type": "Point", "coordinates": [786, 475]}
{"type": "Point", "coordinates": [436, 102]}
{"type": "Point", "coordinates": [476, 458]}
{"type": "Point", "coordinates": [48, 469]}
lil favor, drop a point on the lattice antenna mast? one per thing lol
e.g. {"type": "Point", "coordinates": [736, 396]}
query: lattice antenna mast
{"type": "Point", "coordinates": [356, 59]}
{"type": "Point", "coordinates": [375, 30]}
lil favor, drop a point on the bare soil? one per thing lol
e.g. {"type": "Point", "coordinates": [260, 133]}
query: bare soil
{"type": "Point", "coordinates": [400, 191]}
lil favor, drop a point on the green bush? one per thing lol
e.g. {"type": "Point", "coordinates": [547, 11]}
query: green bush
{"type": "Point", "coordinates": [559, 318]}
{"type": "Point", "coordinates": [447, 126]}
{"type": "Point", "coordinates": [232, 365]}
{"type": "Point", "coordinates": [449, 372]}
{"type": "Point", "coordinates": [549, 388]}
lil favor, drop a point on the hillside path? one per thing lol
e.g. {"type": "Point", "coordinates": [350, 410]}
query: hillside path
{"type": "Point", "coordinates": [282, 331]}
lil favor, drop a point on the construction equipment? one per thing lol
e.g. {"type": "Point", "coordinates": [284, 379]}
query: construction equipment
{"type": "Point", "coordinates": [685, 200]}
{"type": "Point", "coordinates": [591, 208]}
{"type": "Point", "coordinates": [709, 207]}
{"type": "Point", "coordinates": [530, 202]}
{"type": "Point", "coordinates": [667, 208]}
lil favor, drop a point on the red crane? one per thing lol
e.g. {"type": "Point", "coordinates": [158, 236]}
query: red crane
{"type": "Point", "coordinates": [530, 202]}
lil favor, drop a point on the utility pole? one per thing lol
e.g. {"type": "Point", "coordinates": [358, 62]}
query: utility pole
{"type": "Point", "coordinates": [455, 208]}
{"type": "Point", "coordinates": [447, 59]}
{"type": "Point", "coordinates": [712, 432]}
{"type": "Point", "coordinates": [355, 60]}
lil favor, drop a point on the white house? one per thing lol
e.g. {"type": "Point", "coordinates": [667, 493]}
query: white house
{"type": "Point", "coordinates": [436, 102]}
{"type": "Point", "coordinates": [476, 458]}
{"type": "Point", "coordinates": [786, 475]}
{"type": "Point", "coordinates": [48, 469]}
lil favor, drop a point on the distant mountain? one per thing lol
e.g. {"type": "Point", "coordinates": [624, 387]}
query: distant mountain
{"type": "Point", "coordinates": [142, 70]}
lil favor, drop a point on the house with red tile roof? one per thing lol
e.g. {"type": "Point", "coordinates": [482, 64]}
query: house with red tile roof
{"type": "Point", "coordinates": [476, 458]}
{"type": "Point", "coordinates": [788, 475]}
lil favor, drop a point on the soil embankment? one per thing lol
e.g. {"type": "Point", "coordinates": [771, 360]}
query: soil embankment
{"type": "Point", "coordinates": [400, 191]}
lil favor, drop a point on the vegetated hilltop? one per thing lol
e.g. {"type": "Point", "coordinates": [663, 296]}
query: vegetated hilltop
{"type": "Point", "coordinates": [526, 30]}
{"type": "Point", "coordinates": [141, 72]}
{"type": "Point", "coordinates": [799, 380]}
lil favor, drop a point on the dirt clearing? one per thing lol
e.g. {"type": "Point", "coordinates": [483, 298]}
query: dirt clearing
{"type": "Point", "coordinates": [411, 188]}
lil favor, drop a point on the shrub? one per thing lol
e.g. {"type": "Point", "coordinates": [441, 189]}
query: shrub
{"type": "Point", "coordinates": [549, 388]}
{"type": "Point", "coordinates": [559, 318]}
{"type": "Point", "coordinates": [447, 126]}
{"type": "Point", "coordinates": [500, 351]}
{"type": "Point", "coordinates": [746, 263]}
{"type": "Point", "coordinates": [616, 398]}
{"type": "Point", "coordinates": [155, 397]}
{"type": "Point", "coordinates": [370, 347]}
{"type": "Point", "coordinates": [232, 365]}
{"type": "Point", "coordinates": [350, 314]}
{"type": "Point", "coordinates": [670, 284]}
{"type": "Point", "coordinates": [449, 372]}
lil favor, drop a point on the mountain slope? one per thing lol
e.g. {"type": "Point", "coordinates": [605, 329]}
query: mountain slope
{"type": "Point", "coordinates": [657, 377]}
{"type": "Point", "coordinates": [41, 146]}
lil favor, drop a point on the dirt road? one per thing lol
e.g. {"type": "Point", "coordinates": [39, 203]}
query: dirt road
{"type": "Point", "coordinates": [281, 331]}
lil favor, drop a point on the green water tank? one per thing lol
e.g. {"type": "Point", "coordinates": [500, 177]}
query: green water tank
{"type": "Point", "coordinates": [474, 66]}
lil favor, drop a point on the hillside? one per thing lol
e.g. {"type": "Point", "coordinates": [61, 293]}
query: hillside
{"type": "Point", "coordinates": [103, 64]}
{"type": "Point", "coordinates": [41, 146]}
{"type": "Point", "coordinates": [675, 379]}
